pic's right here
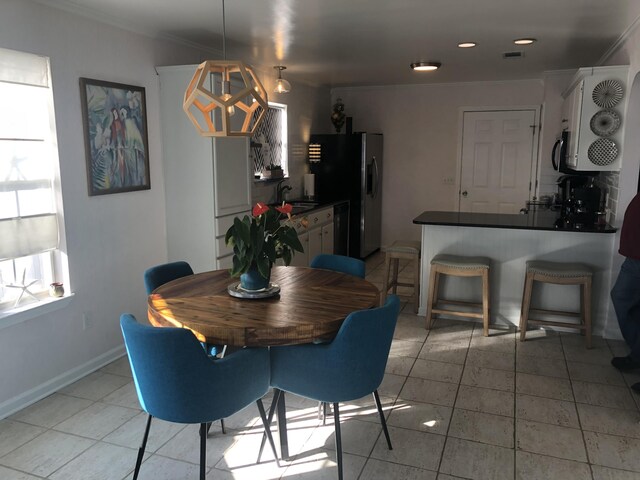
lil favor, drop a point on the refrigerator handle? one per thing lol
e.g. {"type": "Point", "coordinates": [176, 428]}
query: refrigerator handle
{"type": "Point", "coordinates": [376, 182]}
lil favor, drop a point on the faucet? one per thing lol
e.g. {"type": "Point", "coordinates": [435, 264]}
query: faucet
{"type": "Point", "coordinates": [280, 191]}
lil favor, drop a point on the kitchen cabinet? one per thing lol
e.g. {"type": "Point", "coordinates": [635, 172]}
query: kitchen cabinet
{"type": "Point", "coordinates": [596, 128]}
{"type": "Point", "coordinates": [207, 180]}
{"type": "Point", "coordinates": [315, 232]}
{"type": "Point", "coordinates": [320, 232]}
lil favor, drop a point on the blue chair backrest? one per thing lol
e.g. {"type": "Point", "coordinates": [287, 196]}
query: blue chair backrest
{"type": "Point", "coordinates": [349, 367]}
{"type": "Point", "coordinates": [339, 263]}
{"type": "Point", "coordinates": [161, 274]}
{"type": "Point", "coordinates": [177, 382]}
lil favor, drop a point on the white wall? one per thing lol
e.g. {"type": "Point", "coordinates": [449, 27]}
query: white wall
{"type": "Point", "coordinates": [421, 125]}
{"type": "Point", "coordinates": [111, 239]}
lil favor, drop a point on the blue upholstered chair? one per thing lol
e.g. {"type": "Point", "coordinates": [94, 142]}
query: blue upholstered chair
{"type": "Point", "coordinates": [350, 367]}
{"type": "Point", "coordinates": [339, 263]}
{"type": "Point", "coordinates": [156, 276]}
{"type": "Point", "coordinates": [161, 274]}
{"type": "Point", "coordinates": [177, 382]}
{"type": "Point", "coordinates": [342, 264]}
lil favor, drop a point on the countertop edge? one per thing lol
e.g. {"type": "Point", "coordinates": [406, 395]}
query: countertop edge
{"type": "Point", "coordinates": [607, 229]}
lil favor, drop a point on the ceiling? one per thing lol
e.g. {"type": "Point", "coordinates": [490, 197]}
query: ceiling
{"type": "Point", "coordinates": [372, 42]}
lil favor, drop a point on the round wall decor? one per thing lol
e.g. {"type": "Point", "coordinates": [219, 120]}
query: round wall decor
{"type": "Point", "coordinates": [607, 93]}
{"type": "Point", "coordinates": [602, 152]}
{"type": "Point", "coordinates": [605, 123]}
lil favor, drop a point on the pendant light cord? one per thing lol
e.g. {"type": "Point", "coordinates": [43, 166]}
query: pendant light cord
{"type": "Point", "coordinates": [224, 34]}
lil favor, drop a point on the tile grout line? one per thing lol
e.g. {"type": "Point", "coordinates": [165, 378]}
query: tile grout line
{"type": "Point", "coordinates": [575, 405]}
{"type": "Point", "coordinates": [453, 406]}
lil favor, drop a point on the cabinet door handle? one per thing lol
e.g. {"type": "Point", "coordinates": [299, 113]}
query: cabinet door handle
{"type": "Point", "coordinates": [465, 193]}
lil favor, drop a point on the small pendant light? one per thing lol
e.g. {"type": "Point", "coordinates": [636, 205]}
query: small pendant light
{"type": "Point", "coordinates": [282, 86]}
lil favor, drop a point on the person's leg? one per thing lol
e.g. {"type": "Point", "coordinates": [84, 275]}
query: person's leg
{"type": "Point", "coordinates": [626, 302]}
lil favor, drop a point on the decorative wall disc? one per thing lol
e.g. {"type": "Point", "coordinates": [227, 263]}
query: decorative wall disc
{"type": "Point", "coordinates": [607, 93]}
{"type": "Point", "coordinates": [603, 152]}
{"type": "Point", "coordinates": [605, 123]}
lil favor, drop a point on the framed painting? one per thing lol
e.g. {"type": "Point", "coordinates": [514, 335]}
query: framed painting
{"type": "Point", "coordinates": [115, 135]}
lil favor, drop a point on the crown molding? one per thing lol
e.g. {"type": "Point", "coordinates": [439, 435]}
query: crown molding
{"type": "Point", "coordinates": [622, 39]}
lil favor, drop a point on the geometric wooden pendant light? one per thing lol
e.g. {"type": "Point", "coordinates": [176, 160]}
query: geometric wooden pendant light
{"type": "Point", "coordinates": [211, 113]}
{"type": "Point", "coordinates": [211, 109]}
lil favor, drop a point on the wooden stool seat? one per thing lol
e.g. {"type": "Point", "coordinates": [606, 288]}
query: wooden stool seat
{"type": "Point", "coordinates": [559, 274]}
{"type": "Point", "coordinates": [408, 250]}
{"type": "Point", "coordinates": [458, 266]}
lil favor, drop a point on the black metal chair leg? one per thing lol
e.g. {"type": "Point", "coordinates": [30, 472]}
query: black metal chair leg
{"type": "Point", "coordinates": [143, 445]}
{"type": "Point", "coordinates": [320, 416]}
{"type": "Point", "coordinates": [272, 411]}
{"type": "Point", "coordinates": [224, 432]}
{"type": "Point", "coordinates": [324, 413]}
{"type": "Point", "coordinates": [203, 450]}
{"type": "Point", "coordinates": [382, 419]}
{"type": "Point", "coordinates": [336, 419]}
{"type": "Point", "coordinates": [267, 431]}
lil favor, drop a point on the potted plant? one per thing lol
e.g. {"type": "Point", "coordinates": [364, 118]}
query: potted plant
{"type": "Point", "coordinates": [273, 171]}
{"type": "Point", "coordinates": [258, 241]}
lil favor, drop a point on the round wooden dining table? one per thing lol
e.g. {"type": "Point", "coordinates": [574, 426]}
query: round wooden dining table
{"type": "Point", "coordinates": [311, 306]}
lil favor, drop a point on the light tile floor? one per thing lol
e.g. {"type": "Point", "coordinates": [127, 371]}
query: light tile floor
{"type": "Point", "coordinates": [458, 405]}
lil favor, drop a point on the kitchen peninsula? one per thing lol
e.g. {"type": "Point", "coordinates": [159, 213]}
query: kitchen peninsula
{"type": "Point", "coordinates": [510, 240]}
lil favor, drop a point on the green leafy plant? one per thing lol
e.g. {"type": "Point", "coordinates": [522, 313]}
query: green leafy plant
{"type": "Point", "coordinates": [261, 239]}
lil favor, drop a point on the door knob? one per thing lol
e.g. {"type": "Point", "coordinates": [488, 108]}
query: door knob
{"type": "Point", "coordinates": [465, 193]}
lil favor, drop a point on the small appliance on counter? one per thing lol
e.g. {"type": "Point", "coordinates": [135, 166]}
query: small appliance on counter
{"type": "Point", "coordinates": [581, 200]}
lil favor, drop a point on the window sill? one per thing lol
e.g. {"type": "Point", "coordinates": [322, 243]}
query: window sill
{"type": "Point", "coordinates": [32, 310]}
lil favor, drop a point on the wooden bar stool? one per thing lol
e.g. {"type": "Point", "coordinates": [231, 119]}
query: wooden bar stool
{"type": "Point", "coordinates": [408, 250]}
{"type": "Point", "coordinates": [460, 267]}
{"type": "Point", "coordinates": [559, 274]}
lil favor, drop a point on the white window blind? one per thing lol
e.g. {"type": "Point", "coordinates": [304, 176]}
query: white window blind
{"type": "Point", "coordinates": [28, 220]}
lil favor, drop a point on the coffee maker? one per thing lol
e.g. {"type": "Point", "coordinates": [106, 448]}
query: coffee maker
{"type": "Point", "coordinates": [580, 201]}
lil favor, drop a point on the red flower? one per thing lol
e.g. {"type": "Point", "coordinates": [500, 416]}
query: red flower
{"type": "Point", "coordinates": [259, 209]}
{"type": "Point", "coordinates": [285, 208]}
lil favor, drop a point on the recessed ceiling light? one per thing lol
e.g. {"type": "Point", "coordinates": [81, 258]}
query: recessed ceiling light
{"type": "Point", "coordinates": [425, 66]}
{"type": "Point", "coordinates": [524, 41]}
{"type": "Point", "coordinates": [467, 44]}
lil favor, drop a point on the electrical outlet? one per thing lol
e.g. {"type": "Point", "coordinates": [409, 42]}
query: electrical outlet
{"type": "Point", "coordinates": [87, 321]}
{"type": "Point", "coordinates": [449, 181]}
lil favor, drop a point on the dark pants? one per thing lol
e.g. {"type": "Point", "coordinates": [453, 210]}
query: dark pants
{"type": "Point", "coordinates": [626, 301]}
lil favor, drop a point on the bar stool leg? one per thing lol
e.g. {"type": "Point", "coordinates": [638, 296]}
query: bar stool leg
{"type": "Point", "coordinates": [526, 304]}
{"type": "Point", "coordinates": [586, 307]}
{"type": "Point", "coordinates": [385, 280]}
{"type": "Point", "coordinates": [485, 302]}
{"type": "Point", "coordinates": [431, 295]}
{"type": "Point", "coordinates": [416, 284]}
{"type": "Point", "coordinates": [394, 280]}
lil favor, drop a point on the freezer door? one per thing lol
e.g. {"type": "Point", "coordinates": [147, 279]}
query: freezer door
{"type": "Point", "coordinates": [371, 182]}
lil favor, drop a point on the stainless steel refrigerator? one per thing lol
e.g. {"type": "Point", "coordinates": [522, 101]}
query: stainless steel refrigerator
{"type": "Point", "coordinates": [350, 168]}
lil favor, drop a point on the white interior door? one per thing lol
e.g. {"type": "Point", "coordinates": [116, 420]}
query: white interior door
{"type": "Point", "coordinates": [497, 156]}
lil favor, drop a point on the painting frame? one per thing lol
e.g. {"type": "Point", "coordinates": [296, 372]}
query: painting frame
{"type": "Point", "coordinates": [114, 118]}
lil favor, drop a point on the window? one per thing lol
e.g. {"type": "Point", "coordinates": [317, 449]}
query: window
{"type": "Point", "coordinates": [269, 143]}
{"type": "Point", "coordinates": [28, 167]}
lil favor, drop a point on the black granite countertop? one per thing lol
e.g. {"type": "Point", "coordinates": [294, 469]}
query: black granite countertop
{"type": "Point", "coordinates": [536, 220]}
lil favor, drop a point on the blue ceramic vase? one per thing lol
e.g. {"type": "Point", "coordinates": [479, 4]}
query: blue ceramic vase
{"type": "Point", "coordinates": [253, 280]}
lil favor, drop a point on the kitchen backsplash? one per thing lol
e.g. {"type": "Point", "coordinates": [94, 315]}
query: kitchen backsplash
{"type": "Point", "coordinates": [608, 183]}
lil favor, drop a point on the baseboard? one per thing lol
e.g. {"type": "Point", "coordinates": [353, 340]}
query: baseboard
{"type": "Point", "coordinates": [29, 397]}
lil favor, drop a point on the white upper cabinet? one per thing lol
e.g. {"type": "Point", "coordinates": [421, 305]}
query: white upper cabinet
{"type": "Point", "coordinates": [595, 109]}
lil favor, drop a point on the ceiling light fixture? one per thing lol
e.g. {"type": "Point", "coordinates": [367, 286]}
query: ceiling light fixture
{"type": "Point", "coordinates": [467, 44]}
{"type": "Point", "coordinates": [211, 112]}
{"type": "Point", "coordinates": [425, 66]}
{"type": "Point", "coordinates": [524, 41]}
{"type": "Point", "coordinates": [282, 86]}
